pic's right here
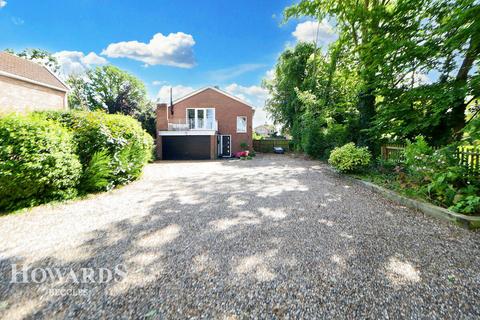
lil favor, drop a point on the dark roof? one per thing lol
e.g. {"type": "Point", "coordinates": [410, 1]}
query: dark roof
{"type": "Point", "coordinates": [24, 68]}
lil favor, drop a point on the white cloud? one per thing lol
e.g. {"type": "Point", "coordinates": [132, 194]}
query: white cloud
{"type": "Point", "coordinates": [93, 58]}
{"type": "Point", "coordinates": [307, 32]}
{"type": "Point", "coordinates": [76, 62]}
{"type": "Point", "coordinates": [3, 3]}
{"type": "Point", "coordinates": [178, 91]}
{"type": "Point", "coordinates": [172, 50]}
{"type": "Point", "coordinates": [256, 96]}
{"type": "Point", "coordinates": [233, 72]}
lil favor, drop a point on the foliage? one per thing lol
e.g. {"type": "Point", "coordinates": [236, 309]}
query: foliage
{"type": "Point", "coordinates": [469, 204]}
{"type": "Point", "coordinates": [434, 175]}
{"type": "Point", "coordinates": [244, 145]}
{"type": "Point", "coordinates": [416, 152]}
{"type": "Point", "coordinates": [438, 175]}
{"type": "Point", "coordinates": [290, 73]}
{"type": "Point", "coordinates": [98, 174]}
{"type": "Point", "coordinates": [112, 90]}
{"type": "Point", "coordinates": [256, 136]}
{"type": "Point", "coordinates": [411, 69]}
{"type": "Point", "coordinates": [350, 158]}
{"type": "Point", "coordinates": [121, 137]}
{"type": "Point", "coordinates": [321, 99]}
{"type": "Point", "coordinates": [37, 162]}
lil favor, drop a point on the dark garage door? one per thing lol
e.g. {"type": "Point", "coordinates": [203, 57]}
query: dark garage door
{"type": "Point", "coordinates": [186, 147]}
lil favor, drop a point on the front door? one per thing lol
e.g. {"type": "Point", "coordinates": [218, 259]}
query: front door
{"type": "Point", "coordinates": [225, 143]}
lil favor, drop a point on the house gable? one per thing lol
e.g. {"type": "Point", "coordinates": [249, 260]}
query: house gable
{"type": "Point", "coordinates": [202, 90]}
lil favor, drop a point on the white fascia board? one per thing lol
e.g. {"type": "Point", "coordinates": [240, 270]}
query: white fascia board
{"type": "Point", "coordinates": [188, 133]}
{"type": "Point", "coordinates": [13, 76]}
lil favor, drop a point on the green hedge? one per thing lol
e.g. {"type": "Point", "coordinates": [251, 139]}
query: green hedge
{"type": "Point", "coordinates": [56, 155]}
{"type": "Point", "coordinates": [37, 162]}
{"type": "Point", "coordinates": [120, 137]}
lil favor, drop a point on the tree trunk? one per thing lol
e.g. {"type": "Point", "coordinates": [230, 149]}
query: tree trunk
{"type": "Point", "coordinates": [366, 108]}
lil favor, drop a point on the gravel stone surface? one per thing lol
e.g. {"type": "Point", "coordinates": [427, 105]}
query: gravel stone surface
{"type": "Point", "coordinates": [274, 237]}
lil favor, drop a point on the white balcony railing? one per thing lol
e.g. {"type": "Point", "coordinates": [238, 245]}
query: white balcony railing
{"type": "Point", "coordinates": [182, 125]}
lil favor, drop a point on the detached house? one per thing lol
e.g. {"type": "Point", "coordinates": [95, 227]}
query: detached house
{"type": "Point", "coordinates": [27, 86]}
{"type": "Point", "coordinates": [205, 124]}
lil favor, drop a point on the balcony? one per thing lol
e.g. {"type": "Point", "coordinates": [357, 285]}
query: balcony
{"type": "Point", "coordinates": [192, 125]}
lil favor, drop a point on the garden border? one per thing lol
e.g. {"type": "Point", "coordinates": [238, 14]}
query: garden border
{"type": "Point", "coordinates": [464, 221]}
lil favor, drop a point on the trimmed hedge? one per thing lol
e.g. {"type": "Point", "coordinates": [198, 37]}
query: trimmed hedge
{"type": "Point", "coordinates": [48, 156]}
{"type": "Point", "coordinates": [37, 162]}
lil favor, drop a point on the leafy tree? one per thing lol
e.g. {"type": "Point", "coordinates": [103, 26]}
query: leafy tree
{"type": "Point", "coordinates": [112, 90]}
{"type": "Point", "coordinates": [322, 97]}
{"type": "Point", "coordinates": [359, 23]}
{"type": "Point", "coordinates": [290, 73]}
{"type": "Point", "coordinates": [394, 45]}
{"type": "Point", "coordinates": [436, 38]}
{"type": "Point", "coordinates": [38, 55]}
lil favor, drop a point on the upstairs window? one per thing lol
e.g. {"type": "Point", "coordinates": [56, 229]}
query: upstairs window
{"type": "Point", "coordinates": [241, 124]}
{"type": "Point", "coordinates": [201, 118]}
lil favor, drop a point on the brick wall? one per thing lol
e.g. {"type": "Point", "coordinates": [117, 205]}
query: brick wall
{"type": "Point", "coordinates": [20, 96]}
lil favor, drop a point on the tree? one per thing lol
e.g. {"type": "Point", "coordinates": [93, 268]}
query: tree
{"type": "Point", "coordinates": [359, 22]}
{"type": "Point", "coordinates": [290, 73]}
{"type": "Point", "coordinates": [39, 56]}
{"type": "Point", "coordinates": [314, 95]}
{"type": "Point", "coordinates": [395, 44]}
{"type": "Point", "coordinates": [113, 90]}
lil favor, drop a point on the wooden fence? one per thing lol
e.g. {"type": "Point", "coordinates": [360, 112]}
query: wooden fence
{"type": "Point", "coordinates": [266, 145]}
{"type": "Point", "coordinates": [468, 156]}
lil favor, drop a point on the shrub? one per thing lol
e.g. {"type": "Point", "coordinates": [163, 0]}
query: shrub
{"type": "Point", "coordinates": [121, 137]}
{"type": "Point", "coordinates": [438, 176]}
{"type": "Point", "coordinates": [349, 158]}
{"type": "Point", "coordinates": [321, 138]}
{"type": "Point", "coordinates": [417, 152]}
{"type": "Point", "coordinates": [37, 162]}
{"type": "Point", "coordinates": [98, 174]}
{"type": "Point", "coordinates": [244, 145]}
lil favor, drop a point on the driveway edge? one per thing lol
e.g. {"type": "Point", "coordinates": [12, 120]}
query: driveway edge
{"type": "Point", "coordinates": [464, 221]}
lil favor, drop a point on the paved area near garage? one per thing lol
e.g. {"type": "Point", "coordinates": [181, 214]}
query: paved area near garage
{"type": "Point", "coordinates": [274, 237]}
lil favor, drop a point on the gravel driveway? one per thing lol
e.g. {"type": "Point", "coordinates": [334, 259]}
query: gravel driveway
{"type": "Point", "coordinates": [274, 237]}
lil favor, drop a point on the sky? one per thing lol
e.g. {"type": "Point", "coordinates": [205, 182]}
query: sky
{"type": "Point", "coordinates": [185, 45]}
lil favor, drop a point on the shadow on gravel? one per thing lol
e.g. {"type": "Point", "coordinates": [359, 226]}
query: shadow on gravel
{"type": "Point", "coordinates": [268, 238]}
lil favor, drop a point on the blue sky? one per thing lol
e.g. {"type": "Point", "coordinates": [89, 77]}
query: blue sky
{"type": "Point", "coordinates": [183, 44]}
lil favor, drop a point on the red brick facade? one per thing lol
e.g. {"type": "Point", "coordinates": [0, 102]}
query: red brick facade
{"type": "Point", "coordinates": [226, 111]}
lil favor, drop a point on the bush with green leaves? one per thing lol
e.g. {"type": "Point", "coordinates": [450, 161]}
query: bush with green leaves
{"type": "Point", "coordinates": [438, 175]}
{"type": "Point", "coordinates": [37, 162]}
{"type": "Point", "coordinates": [98, 174]}
{"type": "Point", "coordinates": [120, 137]}
{"type": "Point", "coordinates": [350, 158]}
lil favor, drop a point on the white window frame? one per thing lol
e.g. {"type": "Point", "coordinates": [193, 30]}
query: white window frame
{"type": "Point", "coordinates": [196, 118]}
{"type": "Point", "coordinates": [246, 124]}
